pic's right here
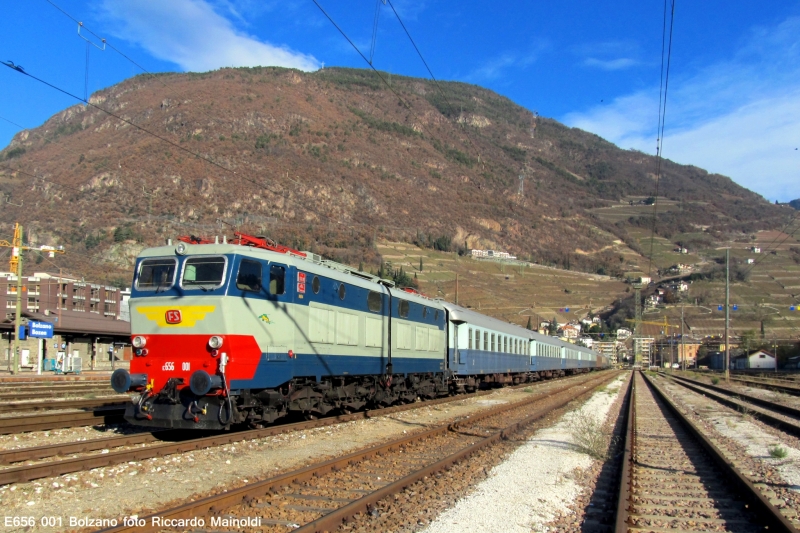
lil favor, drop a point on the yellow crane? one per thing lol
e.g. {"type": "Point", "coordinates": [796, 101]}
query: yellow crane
{"type": "Point", "coordinates": [15, 263]}
{"type": "Point", "coordinates": [664, 324]}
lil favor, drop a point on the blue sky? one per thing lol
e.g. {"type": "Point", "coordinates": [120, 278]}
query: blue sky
{"type": "Point", "coordinates": [734, 95]}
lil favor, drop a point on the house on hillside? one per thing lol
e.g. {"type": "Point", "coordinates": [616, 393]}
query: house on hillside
{"type": "Point", "coordinates": [759, 359]}
{"type": "Point", "coordinates": [755, 249]}
{"type": "Point", "coordinates": [623, 333]}
{"type": "Point", "coordinates": [678, 286]}
{"type": "Point", "coordinates": [569, 331]}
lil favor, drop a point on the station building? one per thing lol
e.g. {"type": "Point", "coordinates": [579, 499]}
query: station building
{"type": "Point", "coordinates": [90, 321]}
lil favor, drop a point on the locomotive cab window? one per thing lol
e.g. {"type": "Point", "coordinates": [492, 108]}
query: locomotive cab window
{"type": "Point", "coordinates": [402, 308]}
{"type": "Point", "coordinates": [277, 279]}
{"type": "Point", "coordinates": [156, 274]}
{"type": "Point", "coordinates": [374, 301]}
{"type": "Point", "coordinates": [249, 277]}
{"type": "Point", "coordinates": [315, 283]}
{"type": "Point", "coordinates": [203, 272]}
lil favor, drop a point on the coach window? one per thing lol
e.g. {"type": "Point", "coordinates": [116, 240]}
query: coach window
{"type": "Point", "coordinates": [492, 341]}
{"type": "Point", "coordinates": [485, 341]}
{"type": "Point", "coordinates": [402, 308]}
{"type": "Point", "coordinates": [374, 301]}
{"type": "Point", "coordinates": [477, 340]}
{"type": "Point", "coordinates": [315, 283]}
{"type": "Point", "coordinates": [249, 277]}
{"type": "Point", "coordinates": [342, 291]}
{"type": "Point", "coordinates": [203, 272]}
{"type": "Point", "coordinates": [277, 279]}
{"type": "Point", "coordinates": [156, 274]}
{"type": "Point", "coordinates": [505, 344]}
{"type": "Point", "coordinates": [470, 338]}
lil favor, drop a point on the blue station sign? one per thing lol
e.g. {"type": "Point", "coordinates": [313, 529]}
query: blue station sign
{"type": "Point", "coordinates": [40, 330]}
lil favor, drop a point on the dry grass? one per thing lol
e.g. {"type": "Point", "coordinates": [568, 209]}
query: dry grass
{"type": "Point", "coordinates": [588, 434]}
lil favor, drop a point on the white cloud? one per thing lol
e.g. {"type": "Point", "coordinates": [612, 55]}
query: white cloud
{"type": "Point", "coordinates": [739, 117]}
{"type": "Point", "coordinates": [195, 37]}
{"type": "Point", "coordinates": [610, 64]}
{"type": "Point", "coordinates": [494, 68]}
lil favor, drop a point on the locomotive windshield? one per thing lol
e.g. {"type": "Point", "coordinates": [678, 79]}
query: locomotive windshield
{"type": "Point", "coordinates": [156, 274]}
{"type": "Point", "coordinates": [203, 272]}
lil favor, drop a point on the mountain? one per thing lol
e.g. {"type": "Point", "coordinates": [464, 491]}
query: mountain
{"type": "Point", "coordinates": [334, 160]}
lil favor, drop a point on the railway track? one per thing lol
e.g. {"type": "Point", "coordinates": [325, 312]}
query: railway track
{"type": "Point", "coordinates": [321, 496]}
{"type": "Point", "coordinates": [782, 417]}
{"type": "Point", "coordinates": [675, 479]}
{"type": "Point", "coordinates": [158, 446]}
{"type": "Point", "coordinates": [786, 389]}
{"type": "Point", "coordinates": [52, 390]}
{"type": "Point", "coordinates": [116, 401]}
{"type": "Point", "coordinates": [47, 421]}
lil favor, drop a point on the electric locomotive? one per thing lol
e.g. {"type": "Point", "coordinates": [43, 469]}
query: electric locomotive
{"type": "Point", "coordinates": [249, 331]}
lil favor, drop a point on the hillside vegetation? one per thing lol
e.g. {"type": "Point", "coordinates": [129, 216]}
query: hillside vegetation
{"type": "Point", "coordinates": [334, 162]}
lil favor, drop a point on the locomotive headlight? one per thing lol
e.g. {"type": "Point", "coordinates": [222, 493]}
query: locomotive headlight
{"type": "Point", "coordinates": [215, 342]}
{"type": "Point", "coordinates": [180, 249]}
{"type": "Point", "coordinates": [139, 341]}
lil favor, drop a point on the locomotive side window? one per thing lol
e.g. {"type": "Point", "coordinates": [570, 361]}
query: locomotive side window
{"type": "Point", "coordinates": [156, 274]}
{"type": "Point", "coordinates": [315, 285]}
{"type": "Point", "coordinates": [424, 312]}
{"type": "Point", "coordinates": [436, 315]}
{"type": "Point", "coordinates": [342, 291]}
{"type": "Point", "coordinates": [249, 277]}
{"type": "Point", "coordinates": [374, 301]}
{"type": "Point", "coordinates": [277, 279]}
{"type": "Point", "coordinates": [402, 308]}
{"type": "Point", "coordinates": [203, 272]}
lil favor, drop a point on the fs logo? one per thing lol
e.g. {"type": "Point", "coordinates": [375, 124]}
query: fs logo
{"type": "Point", "coordinates": [173, 316]}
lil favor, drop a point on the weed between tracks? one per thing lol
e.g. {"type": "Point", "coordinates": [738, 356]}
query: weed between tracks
{"type": "Point", "coordinates": [589, 436]}
{"type": "Point", "coordinates": [776, 451]}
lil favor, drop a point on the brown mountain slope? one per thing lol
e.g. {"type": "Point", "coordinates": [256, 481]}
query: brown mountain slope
{"type": "Point", "coordinates": [332, 160]}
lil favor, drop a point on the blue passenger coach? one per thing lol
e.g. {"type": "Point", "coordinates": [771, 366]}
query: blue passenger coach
{"type": "Point", "coordinates": [483, 350]}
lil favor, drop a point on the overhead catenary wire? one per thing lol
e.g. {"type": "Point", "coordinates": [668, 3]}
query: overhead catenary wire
{"type": "Point", "coordinates": [375, 20]}
{"type": "Point", "coordinates": [406, 104]}
{"type": "Point", "coordinates": [13, 123]}
{"type": "Point", "coordinates": [128, 58]}
{"type": "Point", "coordinates": [662, 113]}
{"type": "Point", "coordinates": [419, 53]}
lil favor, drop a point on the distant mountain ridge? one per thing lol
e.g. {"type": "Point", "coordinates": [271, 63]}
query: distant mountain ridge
{"type": "Point", "coordinates": [331, 161]}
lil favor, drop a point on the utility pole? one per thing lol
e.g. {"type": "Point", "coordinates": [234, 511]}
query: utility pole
{"type": "Point", "coordinates": [16, 253]}
{"type": "Point", "coordinates": [456, 289]}
{"type": "Point", "coordinates": [637, 344]}
{"type": "Point", "coordinates": [15, 264]}
{"type": "Point", "coordinates": [683, 346]}
{"type": "Point", "coordinates": [727, 314]}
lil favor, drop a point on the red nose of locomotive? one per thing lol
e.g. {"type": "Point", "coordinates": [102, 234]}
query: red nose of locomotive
{"type": "Point", "coordinates": [194, 361]}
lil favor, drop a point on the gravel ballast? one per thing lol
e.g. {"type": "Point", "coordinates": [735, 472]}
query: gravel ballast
{"type": "Point", "coordinates": [527, 491]}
